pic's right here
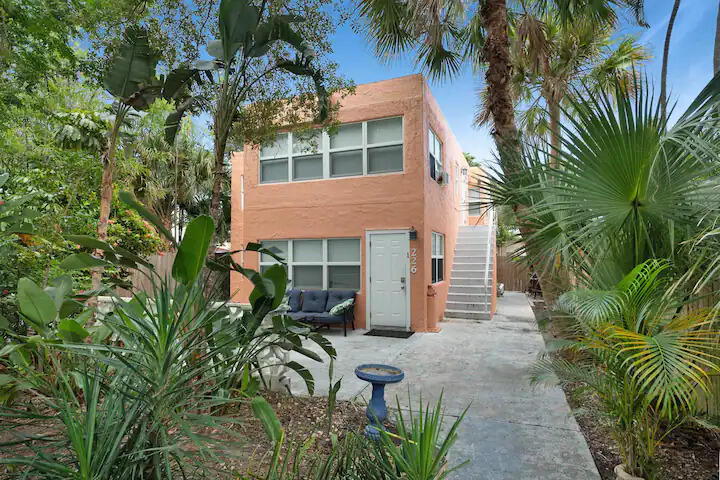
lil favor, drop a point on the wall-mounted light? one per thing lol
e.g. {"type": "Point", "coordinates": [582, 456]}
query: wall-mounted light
{"type": "Point", "coordinates": [464, 171]}
{"type": "Point", "coordinates": [413, 233]}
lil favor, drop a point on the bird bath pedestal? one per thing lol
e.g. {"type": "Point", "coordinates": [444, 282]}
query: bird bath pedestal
{"type": "Point", "coordinates": [379, 376]}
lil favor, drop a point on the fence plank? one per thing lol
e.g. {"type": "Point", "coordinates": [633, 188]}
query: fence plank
{"type": "Point", "coordinates": [514, 275]}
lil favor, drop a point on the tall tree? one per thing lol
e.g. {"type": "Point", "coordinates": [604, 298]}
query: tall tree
{"type": "Point", "coordinates": [666, 54]}
{"type": "Point", "coordinates": [131, 79]}
{"type": "Point", "coordinates": [444, 34]}
{"type": "Point", "coordinates": [251, 59]}
{"type": "Point", "coordinates": [549, 57]}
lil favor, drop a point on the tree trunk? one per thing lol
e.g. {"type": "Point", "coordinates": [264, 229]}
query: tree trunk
{"type": "Point", "coordinates": [716, 55]}
{"type": "Point", "coordinates": [555, 136]}
{"type": "Point", "coordinates": [666, 53]}
{"type": "Point", "coordinates": [106, 190]}
{"type": "Point", "coordinates": [497, 54]}
{"type": "Point", "coordinates": [218, 176]}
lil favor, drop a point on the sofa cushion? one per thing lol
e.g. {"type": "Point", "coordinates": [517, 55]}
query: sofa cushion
{"type": "Point", "coordinates": [336, 297]}
{"type": "Point", "coordinates": [314, 300]}
{"type": "Point", "coordinates": [341, 307]}
{"type": "Point", "coordinates": [327, 318]}
{"type": "Point", "coordinates": [298, 316]}
{"type": "Point", "coordinates": [294, 299]}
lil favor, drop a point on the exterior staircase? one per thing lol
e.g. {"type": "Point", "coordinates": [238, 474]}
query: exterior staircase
{"type": "Point", "coordinates": [471, 279]}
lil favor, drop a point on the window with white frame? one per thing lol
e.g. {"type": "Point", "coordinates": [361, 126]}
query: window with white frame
{"type": "Point", "coordinates": [364, 148]}
{"type": "Point", "coordinates": [320, 264]}
{"type": "Point", "coordinates": [435, 156]}
{"type": "Point", "coordinates": [438, 257]}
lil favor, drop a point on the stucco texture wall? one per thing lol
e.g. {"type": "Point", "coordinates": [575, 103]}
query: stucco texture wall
{"type": "Point", "coordinates": [443, 210]}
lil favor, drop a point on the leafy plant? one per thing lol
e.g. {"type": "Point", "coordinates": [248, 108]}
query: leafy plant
{"type": "Point", "coordinates": [156, 401]}
{"type": "Point", "coordinates": [641, 357]}
{"type": "Point", "coordinates": [251, 51]}
{"type": "Point", "coordinates": [625, 187]}
{"type": "Point", "coordinates": [421, 453]}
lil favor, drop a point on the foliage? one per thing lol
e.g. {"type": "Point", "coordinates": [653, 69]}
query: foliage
{"type": "Point", "coordinates": [640, 356]}
{"type": "Point", "coordinates": [157, 379]}
{"type": "Point", "coordinates": [250, 62]}
{"type": "Point", "coordinates": [550, 56]}
{"type": "Point", "coordinates": [418, 452]}
{"type": "Point", "coordinates": [624, 188]}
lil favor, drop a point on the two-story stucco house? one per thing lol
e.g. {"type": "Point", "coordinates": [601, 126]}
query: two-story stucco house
{"type": "Point", "coordinates": [380, 207]}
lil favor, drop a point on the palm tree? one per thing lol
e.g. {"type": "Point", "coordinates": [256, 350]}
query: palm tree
{"type": "Point", "coordinates": [170, 179]}
{"type": "Point", "coordinates": [626, 187]}
{"type": "Point", "coordinates": [549, 56]}
{"type": "Point", "coordinates": [444, 34]}
{"type": "Point", "coordinates": [642, 360]}
{"type": "Point", "coordinates": [666, 53]}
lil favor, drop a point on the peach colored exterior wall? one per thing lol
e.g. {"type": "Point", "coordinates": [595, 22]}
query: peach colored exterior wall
{"type": "Point", "coordinates": [349, 206]}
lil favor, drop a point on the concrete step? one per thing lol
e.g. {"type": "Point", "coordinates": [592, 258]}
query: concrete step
{"type": "Point", "coordinates": [472, 228]}
{"type": "Point", "coordinates": [483, 297]}
{"type": "Point", "coordinates": [468, 282]}
{"type": "Point", "coordinates": [470, 252]}
{"type": "Point", "coordinates": [471, 246]}
{"type": "Point", "coordinates": [478, 289]}
{"type": "Point", "coordinates": [468, 307]}
{"type": "Point", "coordinates": [458, 267]}
{"type": "Point", "coordinates": [466, 315]}
{"type": "Point", "coordinates": [478, 274]}
{"type": "Point", "coordinates": [471, 238]}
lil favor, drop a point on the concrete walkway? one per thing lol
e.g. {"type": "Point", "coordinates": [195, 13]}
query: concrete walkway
{"type": "Point", "coordinates": [512, 431]}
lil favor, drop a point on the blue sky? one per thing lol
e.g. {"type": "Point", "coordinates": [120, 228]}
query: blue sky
{"type": "Point", "coordinates": [690, 65]}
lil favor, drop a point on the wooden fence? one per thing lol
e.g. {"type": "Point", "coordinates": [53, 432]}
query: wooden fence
{"type": "Point", "coordinates": [163, 266]}
{"type": "Point", "coordinates": [515, 275]}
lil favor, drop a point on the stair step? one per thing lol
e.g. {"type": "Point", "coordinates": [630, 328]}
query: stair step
{"type": "Point", "coordinates": [483, 297]}
{"type": "Point", "coordinates": [468, 282]}
{"type": "Point", "coordinates": [468, 306]}
{"type": "Point", "coordinates": [457, 267]}
{"type": "Point", "coordinates": [466, 315]}
{"type": "Point", "coordinates": [479, 289]}
{"type": "Point", "coordinates": [467, 274]}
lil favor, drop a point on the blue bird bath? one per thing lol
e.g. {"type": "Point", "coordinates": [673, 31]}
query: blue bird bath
{"type": "Point", "coordinates": [378, 375]}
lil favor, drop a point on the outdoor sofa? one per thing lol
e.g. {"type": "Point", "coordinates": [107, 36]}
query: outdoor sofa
{"type": "Point", "coordinates": [316, 307]}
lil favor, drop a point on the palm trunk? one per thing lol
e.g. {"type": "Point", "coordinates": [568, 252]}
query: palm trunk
{"type": "Point", "coordinates": [497, 54]}
{"type": "Point", "coordinates": [555, 138]}
{"type": "Point", "coordinates": [666, 53]}
{"type": "Point", "coordinates": [716, 53]}
{"type": "Point", "coordinates": [106, 190]}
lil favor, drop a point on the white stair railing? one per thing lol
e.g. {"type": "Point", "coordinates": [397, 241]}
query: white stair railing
{"type": "Point", "coordinates": [490, 239]}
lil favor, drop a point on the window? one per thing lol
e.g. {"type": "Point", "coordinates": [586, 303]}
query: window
{"type": "Point", "coordinates": [438, 257]}
{"type": "Point", "coordinates": [319, 264]}
{"type": "Point", "coordinates": [371, 147]}
{"type": "Point", "coordinates": [274, 160]}
{"type": "Point", "coordinates": [385, 145]}
{"type": "Point", "coordinates": [475, 207]}
{"type": "Point", "coordinates": [435, 149]}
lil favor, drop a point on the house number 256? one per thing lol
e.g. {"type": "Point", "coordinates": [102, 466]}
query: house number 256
{"type": "Point", "coordinates": [413, 260]}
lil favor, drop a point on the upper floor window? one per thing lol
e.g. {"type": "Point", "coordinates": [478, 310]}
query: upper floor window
{"type": "Point", "coordinates": [435, 149]}
{"type": "Point", "coordinates": [364, 148]}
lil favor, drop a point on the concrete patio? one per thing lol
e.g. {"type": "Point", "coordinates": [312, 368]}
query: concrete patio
{"type": "Point", "coordinates": [511, 431]}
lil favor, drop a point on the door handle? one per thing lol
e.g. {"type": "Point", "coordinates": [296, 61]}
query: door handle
{"type": "Point", "coordinates": [402, 283]}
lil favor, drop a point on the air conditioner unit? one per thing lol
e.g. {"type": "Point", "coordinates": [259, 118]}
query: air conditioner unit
{"type": "Point", "coordinates": [443, 178]}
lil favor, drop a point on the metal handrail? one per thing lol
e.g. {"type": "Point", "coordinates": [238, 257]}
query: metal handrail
{"type": "Point", "coordinates": [491, 226]}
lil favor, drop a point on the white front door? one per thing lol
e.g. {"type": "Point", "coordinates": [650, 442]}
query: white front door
{"type": "Point", "coordinates": [389, 280]}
